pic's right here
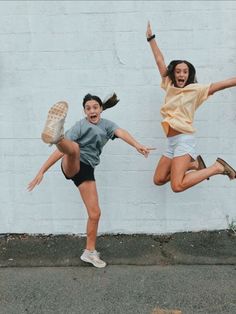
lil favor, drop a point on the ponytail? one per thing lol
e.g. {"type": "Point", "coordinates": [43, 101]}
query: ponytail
{"type": "Point", "coordinates": [109, 102]}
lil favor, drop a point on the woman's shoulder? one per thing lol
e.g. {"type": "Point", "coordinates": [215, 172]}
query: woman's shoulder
{"type": "Point", "coordinates": [166, 82]}
{"type": "Point", "coordinates": [108, 124]}
{"type": "Point", "coordinates": [79, 123]}
{"type": "Point", "coordinates": [106, 121]}
{"type": "Point", "coordinates": [196, 86]}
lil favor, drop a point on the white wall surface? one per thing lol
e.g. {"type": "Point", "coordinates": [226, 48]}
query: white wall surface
{"type": "Point", "coordinates": [61, 50]}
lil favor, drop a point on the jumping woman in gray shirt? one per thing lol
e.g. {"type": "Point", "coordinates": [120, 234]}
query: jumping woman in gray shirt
{"type": "Point", "coordinates": [80, 148]}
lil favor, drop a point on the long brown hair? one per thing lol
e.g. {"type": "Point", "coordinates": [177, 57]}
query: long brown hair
{"type": "Point", "coordinates": [192, 72]}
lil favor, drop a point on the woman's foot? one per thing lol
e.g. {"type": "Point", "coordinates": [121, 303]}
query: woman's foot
{"type": "Point", "coordinates": [54, 127]}
{"type": "Point", "coordinates": [226, 169]}
{"type": "Point", "coordinates": [92, 257]}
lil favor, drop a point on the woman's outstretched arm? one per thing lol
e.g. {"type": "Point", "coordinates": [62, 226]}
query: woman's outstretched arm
{"type": "Point", "coordinates": [215, 87]}
{"type": "Point", "coordinates": [53, 158]}
{"type": "Point", "coordinates": [156, 52]}
{"type": "Point", "coordinates": [125, 136]}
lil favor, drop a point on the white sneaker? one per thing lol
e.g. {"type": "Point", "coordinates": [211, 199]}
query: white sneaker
{"type": "Point", "coordinates": [54, 127]}
{"type": "Point", "coordinates": [93, 258]}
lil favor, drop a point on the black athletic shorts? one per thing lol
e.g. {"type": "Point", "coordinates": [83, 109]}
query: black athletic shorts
{"type": "Point", "coordinates": [86, 173]}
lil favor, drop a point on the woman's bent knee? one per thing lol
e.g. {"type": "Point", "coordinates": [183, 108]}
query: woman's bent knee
{"type": "Point", "coordinates": [176, 187]}
{"type": "Point", "coordinates": [159, 181]}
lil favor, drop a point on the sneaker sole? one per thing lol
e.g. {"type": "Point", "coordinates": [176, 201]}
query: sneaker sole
{"type": "Point", "coordinates": [56, 113]}
{"type": "Point", "coordinates": [94, 264]}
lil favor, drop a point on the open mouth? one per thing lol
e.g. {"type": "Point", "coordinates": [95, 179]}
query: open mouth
{"type": "Point", "coordinates": [93, 117]}
{"type": "Point", "coordinates": [180, 82]}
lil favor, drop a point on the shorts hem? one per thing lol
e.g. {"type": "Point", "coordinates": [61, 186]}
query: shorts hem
{"type": "Point", "coordinates": [86, 173]}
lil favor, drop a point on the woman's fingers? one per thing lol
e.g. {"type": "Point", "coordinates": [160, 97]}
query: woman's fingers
{"type": "Point", "coordinates": [34, 182]}
{"type": "Point", "coordinates": [149, 30]}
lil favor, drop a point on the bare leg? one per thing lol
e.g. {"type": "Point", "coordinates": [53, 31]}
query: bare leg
{"type": "Point", "coordinates": [88, 192]}
{"type": "Point", "coordinates": [71, 158]}
{"type": "Point", "coordinates": [53, 133]}
{"type": "Point", "coordinates": [180, 180]}
{"type": "Point", "coordinates": [162, 172]}
{"type": "Point", "coordinates": [163, 169]}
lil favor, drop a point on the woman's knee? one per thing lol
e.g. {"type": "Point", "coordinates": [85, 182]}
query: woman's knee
{"type": "Point", "coordinates": [75, 151]}
{"type": "Point", "coordinates": [94, 214]}
{"type": "Point", "coordinates": [159, 180]}
{"type": "Point", "coordinates": [177, 187]}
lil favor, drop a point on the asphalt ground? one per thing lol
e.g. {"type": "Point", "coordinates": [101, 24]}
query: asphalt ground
{"type": "Point", "coordinates": [188, 248]}
{"type": "Point", "coordinates": [181, 273]}
{"type": "Point", "coordinates": [120, 289]}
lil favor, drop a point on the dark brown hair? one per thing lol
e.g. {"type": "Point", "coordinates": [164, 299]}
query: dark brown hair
{"type": "Point", "coordinates": [192, 72]}
{"type": "Point", "coordinates": [109, 102]}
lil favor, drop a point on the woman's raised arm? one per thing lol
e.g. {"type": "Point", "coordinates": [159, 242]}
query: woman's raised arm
{"type": "Point", "coordinates": [156, 51]}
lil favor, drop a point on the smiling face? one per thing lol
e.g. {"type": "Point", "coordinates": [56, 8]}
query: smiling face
{"type": "Point", "coordinates": [181, 74]}
{"type": "Point", "coordinates": [93, 111]}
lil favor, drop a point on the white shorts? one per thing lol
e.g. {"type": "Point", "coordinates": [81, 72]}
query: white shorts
{"type": "Point", "coordinates": [180, 145]}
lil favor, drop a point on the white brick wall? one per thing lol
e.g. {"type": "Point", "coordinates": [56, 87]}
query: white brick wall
{"type": "Point", "coordinates": [52, 50]}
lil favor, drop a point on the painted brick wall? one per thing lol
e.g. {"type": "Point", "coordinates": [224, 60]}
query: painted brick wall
{"type": "Point", "coordinates": [54, 50]}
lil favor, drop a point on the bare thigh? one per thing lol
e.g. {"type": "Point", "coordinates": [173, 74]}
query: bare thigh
{"type": "Point", "coordinates": [179, 168]}
{"type": "Point", "coordinates": [71, 163]}
{"type": "Point", "coordinates": [162, 172]}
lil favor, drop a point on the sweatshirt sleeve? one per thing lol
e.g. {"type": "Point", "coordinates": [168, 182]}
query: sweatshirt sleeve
{"type": "Point", "coordinates": [203, 91]}
{"type": "Point", "coordinates": [166, 81]}
{"type": "Point", "coordinates": [110, 128]}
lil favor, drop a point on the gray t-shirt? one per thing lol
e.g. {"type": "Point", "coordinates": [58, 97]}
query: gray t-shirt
{"type": "Point", "coordinates": [91, 138]}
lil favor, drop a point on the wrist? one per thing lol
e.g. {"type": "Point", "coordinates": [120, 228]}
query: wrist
{"type": "Point", "coordinates": [151, 37]}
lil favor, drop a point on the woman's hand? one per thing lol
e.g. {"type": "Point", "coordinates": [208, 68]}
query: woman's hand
{"type": "Point", "coordinates": [144, 150]}
{"type": "Point", "coordinates": [36, 181]}
{"type": "Point", "coordinates": [125, 136]}
{"type": "Point", "coordinates": [149, 30]}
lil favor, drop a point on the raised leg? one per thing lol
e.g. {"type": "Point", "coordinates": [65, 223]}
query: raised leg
{"type": "Point", "coordinates": [181, 179]}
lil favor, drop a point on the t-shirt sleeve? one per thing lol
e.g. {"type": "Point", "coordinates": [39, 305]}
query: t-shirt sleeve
{"type": "Point", "coordinates": [73, 133]}
{"type": "Point", "coordinates": [110, 128]}
{"type": "Point", "coordinates": [166, 81]}
{"type": "Point", "coordinates": [203, 91]}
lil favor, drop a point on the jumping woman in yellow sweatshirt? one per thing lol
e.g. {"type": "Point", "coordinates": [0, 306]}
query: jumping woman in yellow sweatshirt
{"type": "Point", "coordinates": [183, 97]}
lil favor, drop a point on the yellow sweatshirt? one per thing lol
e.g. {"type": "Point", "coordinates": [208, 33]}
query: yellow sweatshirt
{"type": "Point", "coordinates": [180, 105]}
